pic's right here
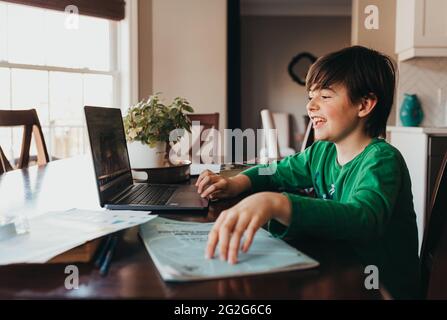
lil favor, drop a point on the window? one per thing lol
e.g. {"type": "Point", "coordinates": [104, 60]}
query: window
{"type": "Point", "coordinates": [56, 70]}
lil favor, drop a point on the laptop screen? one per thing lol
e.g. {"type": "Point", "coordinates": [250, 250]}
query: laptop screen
{"type": "Point", "coordinates": [109, 151]}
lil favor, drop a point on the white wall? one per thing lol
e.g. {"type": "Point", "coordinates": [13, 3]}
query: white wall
{"type": "Point", "coordinates": [382, 39]}
{"type": "Point", "coordinates": [268, 44]}
{"type": "Point", "coordinates": [144, 49]}
{"type": "Point", "coordinates": [190, 53]}
{"type": "Point", "coordinates": [427, 78]}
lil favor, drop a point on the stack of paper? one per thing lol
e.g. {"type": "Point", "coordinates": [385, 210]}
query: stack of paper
{"type": "Point", "coordinates": [178, 251]}
{"type": "Point", "coordinates": [197, 168]}
{"type": "Point", "coordinates": [53, 233]}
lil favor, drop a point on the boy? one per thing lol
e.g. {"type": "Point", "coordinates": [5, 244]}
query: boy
{"type": "Point", "coordinates": [361, 182]}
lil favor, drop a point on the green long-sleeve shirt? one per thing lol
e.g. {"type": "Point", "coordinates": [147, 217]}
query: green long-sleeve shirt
{"type": "Point", "coordinates": [367, 201]}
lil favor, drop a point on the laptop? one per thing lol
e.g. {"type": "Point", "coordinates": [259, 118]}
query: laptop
{"type": "Point", "coordinates": [116, 188]}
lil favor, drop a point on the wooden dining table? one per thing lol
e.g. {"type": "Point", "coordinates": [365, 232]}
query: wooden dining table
{"type": "Point", "coordinates": [70, 183]}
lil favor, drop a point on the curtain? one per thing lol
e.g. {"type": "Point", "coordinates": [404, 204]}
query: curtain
{"type": "Point", "coordinates": [108, 9]}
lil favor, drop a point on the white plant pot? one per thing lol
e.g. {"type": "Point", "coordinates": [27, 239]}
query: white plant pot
{"type": "Point", "coordinates": [142, 156]}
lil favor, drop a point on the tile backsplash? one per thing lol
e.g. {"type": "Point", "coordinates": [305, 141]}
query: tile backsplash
{"type": "Point", "coordinates": [424, 77]}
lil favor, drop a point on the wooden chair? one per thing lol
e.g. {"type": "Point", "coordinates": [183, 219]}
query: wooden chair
{"type": "Point", "coordinates": [4, 164]}
{"type": "Point", "coordinates": [277, 146]}
{"type": "Point", "coordinates": [207, 121]}
{"type": "Point", "coordinates": [434, 245]}
{"type": "Point", "coordinates": [30, 121]}
{"type": "Point", "coordinates": [282, 121]}
{"type": "Point", "coordinates": [271, 140]}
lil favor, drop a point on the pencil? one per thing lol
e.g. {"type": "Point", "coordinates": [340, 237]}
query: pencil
{"type": "Point", "coordinates": [108, 258]}
{"type": "Point", "coordinates": [102, 250]}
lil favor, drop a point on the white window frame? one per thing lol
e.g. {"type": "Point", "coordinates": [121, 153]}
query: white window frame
{"type": "Point", "coordinates": [128, 56]}
{"type": "Point", "coordinates": [123, 66]}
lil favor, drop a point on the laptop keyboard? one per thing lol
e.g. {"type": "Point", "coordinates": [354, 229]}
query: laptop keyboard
{"type": "Point", "coordinates": [145, 194]}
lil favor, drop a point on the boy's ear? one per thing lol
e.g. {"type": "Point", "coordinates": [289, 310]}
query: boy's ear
{"type": "Point", "coordinates": [367, 105]}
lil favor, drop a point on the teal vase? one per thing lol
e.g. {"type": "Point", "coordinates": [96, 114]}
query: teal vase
{"type": "Point", "coordinates": [411, 113]}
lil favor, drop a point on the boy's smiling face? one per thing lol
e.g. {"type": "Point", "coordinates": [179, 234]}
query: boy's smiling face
{"type": "Point", "coordinates": [333, 115]}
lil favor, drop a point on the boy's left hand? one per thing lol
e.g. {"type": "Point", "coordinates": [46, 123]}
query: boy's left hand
{"type": "Point", "coordinates": [246, 217]}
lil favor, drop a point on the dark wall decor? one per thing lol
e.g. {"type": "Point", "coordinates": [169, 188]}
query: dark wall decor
{"type": "Point", "coordinates": [299, 66]}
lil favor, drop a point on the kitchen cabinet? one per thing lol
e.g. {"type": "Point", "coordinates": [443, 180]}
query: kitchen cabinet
{"type": "Point", "coordinates": [421, 28]}
{"type": "Point", "coordinates": [423, 150]}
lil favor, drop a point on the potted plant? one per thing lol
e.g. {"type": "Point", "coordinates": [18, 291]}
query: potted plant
{"type": "Point", "coordinates": [148, 125]}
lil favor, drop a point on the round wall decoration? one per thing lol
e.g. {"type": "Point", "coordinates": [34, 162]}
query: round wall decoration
{"type": "Point", "coordinates": [299, 66]}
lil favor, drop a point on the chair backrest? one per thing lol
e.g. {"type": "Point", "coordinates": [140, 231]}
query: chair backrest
{"type": "Point", "coordinates": [308, 135]}
{"type": "Point", "coordinates": [207, 121]}
{"type": "Point", "coordinates": [270, 138]}
{"type": "Point", "coordinates": [282, 124]}
{"type": "Point", "coordinates": [30, 121]}
{"type": "Point", "coordinates": [5, 166]}
{"type": "Point", "coordinates": [434, 246]}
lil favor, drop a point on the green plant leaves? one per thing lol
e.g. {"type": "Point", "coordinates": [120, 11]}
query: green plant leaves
{"type": "Point", "coordinates": [150, 121]}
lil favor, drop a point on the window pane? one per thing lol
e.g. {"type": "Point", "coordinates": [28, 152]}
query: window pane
{"type": "Point", "coordinates": [84, 47]}
{"type": "Point", "coordinates": [15, 146]}
{"type": "Point", "coordinates": [26, 43]}
{"type": "Point", "coordinates": [68, 141]}
{"type": "Point", "coordinates": [98, 90]}
{"type": "Point", "coordinates": [95, 34]}
{"type": "Point", "coordinates": [45, 40]}
{"type": "Point", "coordinates": [66, 103]}
{"type": "Point", "coordinates": [5, 142]}
{"type": "Point", "coordinates": [17, 136]}
{"type": "Point", "coordinates": [30, 91]}
{"type": "Point", "coordinates": [34, 36]}
{"type": "Point", "coordinates": [4, 88]}
{"type": "Point", "coordinates": [11, 143]}
{"type": "Point", "coordinates": [3, 33]}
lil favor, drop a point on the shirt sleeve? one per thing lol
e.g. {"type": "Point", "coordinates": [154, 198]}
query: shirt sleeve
{"type": "Point", "coordinates": [364, 216]}
{"type": "Point", "coordinates": [289, 174]}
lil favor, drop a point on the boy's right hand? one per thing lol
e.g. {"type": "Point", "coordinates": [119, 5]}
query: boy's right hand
{"type": "Point", "coordinates": [215, 186]}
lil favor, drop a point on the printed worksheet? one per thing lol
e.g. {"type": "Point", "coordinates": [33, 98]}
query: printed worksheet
{"type": "Point", "coordinates": [178, 250]}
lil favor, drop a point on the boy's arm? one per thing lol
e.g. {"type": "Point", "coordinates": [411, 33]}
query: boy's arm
{"type": "Point", "coordinates": [288, 174]}
{"type": "Point", "coordinates": [363, 216]}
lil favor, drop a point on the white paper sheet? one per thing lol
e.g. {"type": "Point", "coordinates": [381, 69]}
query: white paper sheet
{"type": "Point", "coordinates": [197, 169]}
{"type": "Point", "coordinates": [53, 233]}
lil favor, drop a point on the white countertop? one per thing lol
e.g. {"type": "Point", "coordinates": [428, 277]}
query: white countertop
{"type": "Point", "coordinates": [426, 130]}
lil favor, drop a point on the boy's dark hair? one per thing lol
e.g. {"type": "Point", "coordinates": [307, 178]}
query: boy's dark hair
{"type": "Point", "coordinates": [364, 72]}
